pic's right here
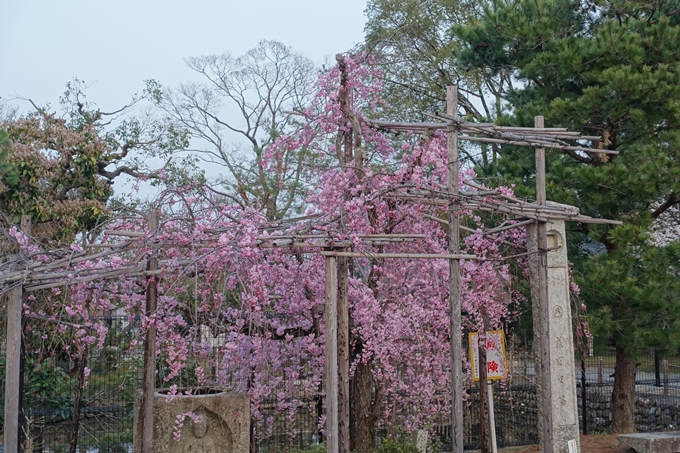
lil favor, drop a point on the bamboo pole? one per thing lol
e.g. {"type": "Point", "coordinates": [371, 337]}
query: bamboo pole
{"type": "Point", "coordinates": [150, 348]}
{"type": "Point", "coordinates": [388, 236]}
{"type": "Point", "coordinates": [508, 227]}
{"type": "Point", "coordinates": [79, 258]}
{"type": "Point", "coordinates": [331, 378]}
{"type": "Point", "coordinates": [454, 277]}
{"type": "Point", "coordinates": [399, 255]}
{"type": "Point", "coordinates": [325, 236]}
{"type": "Point", "coordinates": [306, 244]}
{"type": "Point", "coordinates": [130, 234]}
{"type": "Point", "coordinates": [385, 241]}
{"type": "Point", "coordinates": [534, 143]}
{"type": "Point", "coordinates": [104, 275]}
{"type": "Point", "coordinates": [72, 275]}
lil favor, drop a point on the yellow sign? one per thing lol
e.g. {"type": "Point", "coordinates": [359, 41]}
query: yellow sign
{"type": "Point", "coordinates": [495, 354]}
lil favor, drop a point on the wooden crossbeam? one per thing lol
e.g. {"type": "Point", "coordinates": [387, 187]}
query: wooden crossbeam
{"type": "Point", "coordinates": [436, 256]}
{"type": "Point", "coordinates": [552, 138]}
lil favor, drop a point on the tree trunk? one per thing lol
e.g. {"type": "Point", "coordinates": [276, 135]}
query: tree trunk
{"type": "Point", "coordinates": [623, 394]}
{"type": "Point", "coordinates": [365, 408]}
{"type": "Point", "coordinates": [78, 402]}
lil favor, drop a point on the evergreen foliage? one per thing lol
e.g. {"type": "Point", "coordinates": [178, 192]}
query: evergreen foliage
{"type": "Point", "coordinates": [605, 68]}
{"type": "Point", "coordinates": [8, 173]}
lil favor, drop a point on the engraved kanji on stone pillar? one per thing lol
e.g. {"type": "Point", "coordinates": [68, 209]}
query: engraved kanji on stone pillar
{"type": "Point", "coordinates": [562, 372]}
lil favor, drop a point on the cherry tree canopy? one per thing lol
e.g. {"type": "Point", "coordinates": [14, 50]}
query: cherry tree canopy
{"type": "Point", "coordinates": [258, 286]}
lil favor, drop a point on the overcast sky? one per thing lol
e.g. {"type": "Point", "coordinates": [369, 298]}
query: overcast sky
{"type": "Point", "coordinates": [114, 46]}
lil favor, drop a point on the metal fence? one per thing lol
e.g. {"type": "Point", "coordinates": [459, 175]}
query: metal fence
{"type": "Point", "coordinates": [657, 391]}
{"type": "Point", "coordinates": [106, 419]}
{"type": "Point", "coordinates": [279, 432]}
{"type": "Point", "coordinates": [49, 387]}
{"type": "Point", "coordinates": [657, 399]}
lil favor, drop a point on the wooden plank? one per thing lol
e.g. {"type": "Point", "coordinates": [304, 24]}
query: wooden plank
{"type": "Point", "coordinates": [544, 344]}
{"type": "Point", "coordinates": [454, 277]}
{"type": "Point", "coordinates": [331, 378]}
{"type": "Point", "coordinates": [150, 348]}
{"type": "Point", "coordinates": [343, 355]}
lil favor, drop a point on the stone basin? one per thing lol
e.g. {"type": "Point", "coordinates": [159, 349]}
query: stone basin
{"type": "Point", "coordinates": [224, 418]}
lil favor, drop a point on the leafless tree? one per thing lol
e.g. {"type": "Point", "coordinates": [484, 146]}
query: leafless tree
{"type": "Point", "coordinates": [7, 112]}
{"type": "Point", "coordinates": [239, 109]}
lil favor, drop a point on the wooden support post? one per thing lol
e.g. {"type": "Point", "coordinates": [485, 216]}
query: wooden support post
{"type": "Point", "coordinates": [600, 366]}
{"type": "Point", "coordinates": [454, 277]}
{"type": "Point", "coordinates": [544, 345]}
{"type": "Point", "coordinates": [343, 356]}
{"type": "Point", "coordinates": [149, 386]}
{"type": "Point", "coordinates": [665, 377]}
{"type": "Point", "coordinates": [26, 228]}
{"type": "Point", "coordinates": [540, 168]}
{"type": "Point", "coordinates": [331, 381]}
{"type": "Point", "coordinates": [23, 416]}
{"type": "Point", "coordinates": [13, 374]}
{"type": "Point", "coordinates": [483, 397]}
{"type": "Point", "coordinates": [12, 365]}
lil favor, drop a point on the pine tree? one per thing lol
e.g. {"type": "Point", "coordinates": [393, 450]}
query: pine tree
{"type": "Point", "coordinates": [611, 69]}
{"type": "Point", "coordinates": [8, 173]}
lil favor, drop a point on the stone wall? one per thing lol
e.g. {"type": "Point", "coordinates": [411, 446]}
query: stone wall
{"type": "Point", "coordinates": [652, 412]}
{"type": "Point", "coordinates": [517, 413]}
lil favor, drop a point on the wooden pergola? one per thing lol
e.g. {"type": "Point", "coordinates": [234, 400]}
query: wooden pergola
{"type": "Point", "coordinates": [524, 213]}
{"type": "Point", "coordinates": [22, 275]}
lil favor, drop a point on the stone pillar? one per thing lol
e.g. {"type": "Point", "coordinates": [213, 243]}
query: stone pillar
{"type": "Point", "coordinates": [565, 424]}
{"type": "Point", "coordinates": [421, 437]}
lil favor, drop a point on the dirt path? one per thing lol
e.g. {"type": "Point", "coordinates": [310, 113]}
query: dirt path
{"type": "Point", "coordinates": [596, 443]}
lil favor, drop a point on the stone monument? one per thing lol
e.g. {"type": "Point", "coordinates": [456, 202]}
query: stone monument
{"type": "Point", "coordinates": [564, 416]}
{"type": "Point", "coordinates": [224, 422]}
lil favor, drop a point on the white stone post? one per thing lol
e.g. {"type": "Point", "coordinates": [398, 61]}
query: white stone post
{"type": "Point", "coordinates": [561, 343]}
